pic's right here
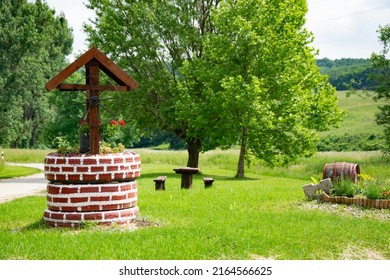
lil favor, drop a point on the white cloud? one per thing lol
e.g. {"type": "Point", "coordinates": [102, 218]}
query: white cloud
{"type": "Point", "coordinates": [347, 28]}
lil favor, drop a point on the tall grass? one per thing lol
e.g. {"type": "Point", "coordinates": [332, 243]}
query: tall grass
{"type": "Point", "coordinates": [373, 163]}
{"type": "Point", "coordinates": [25, 155]}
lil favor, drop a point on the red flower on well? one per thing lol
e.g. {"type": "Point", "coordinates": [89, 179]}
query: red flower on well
{"type": "Point", "coordinates": [122, 122]}
{"type": "Point", "coordinates": [113, 122]}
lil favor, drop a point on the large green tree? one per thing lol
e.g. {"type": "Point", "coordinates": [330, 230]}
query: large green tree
{"type": "Point", "coordinates": [381, 64]}
{"type": "Point", "coordinates": [34, 43]}
{"type": "Point", "coordinates": [151, 40]}
{"type": "Point", "coordinates": [220, 73]}
{"type": "Point", "coordinates": [262, 86]}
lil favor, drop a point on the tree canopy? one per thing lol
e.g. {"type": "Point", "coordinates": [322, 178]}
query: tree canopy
{"type": "Point", "coordinates": [263, 88]}
{"type": "Point", "coordinates": [221, 73]}
{"type": "Point", "coordinates": [381, 63]}
{"type": "Point", "coordinates": [151, 40]}
{"type": "Point", "coordinates": [34, 43]}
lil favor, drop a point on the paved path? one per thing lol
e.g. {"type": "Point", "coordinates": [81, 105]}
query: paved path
{"type": "Point", "coordinates": [23, 186]}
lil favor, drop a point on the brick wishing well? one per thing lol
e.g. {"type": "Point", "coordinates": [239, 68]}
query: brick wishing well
{"type": "Point", "coordinates": [92, 187]}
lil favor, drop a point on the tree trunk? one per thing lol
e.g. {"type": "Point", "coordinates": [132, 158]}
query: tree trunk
{"type": "Point", "coordinates": [241, 159]}
{"type": "Point", "coordinates": [194, 146]}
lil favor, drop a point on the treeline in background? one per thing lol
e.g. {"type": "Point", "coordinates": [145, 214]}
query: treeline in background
{"type": "Point", "coordinates": [348, 73]}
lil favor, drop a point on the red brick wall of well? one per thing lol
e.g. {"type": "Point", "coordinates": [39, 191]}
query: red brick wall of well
{"type": "Point", "coordinates": [100, 188]}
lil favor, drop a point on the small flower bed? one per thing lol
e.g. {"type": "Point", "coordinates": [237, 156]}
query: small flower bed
{"type": "Point", "coordinates": [366, 187]}
{"type": "Point", "coordinates": [366, 192]}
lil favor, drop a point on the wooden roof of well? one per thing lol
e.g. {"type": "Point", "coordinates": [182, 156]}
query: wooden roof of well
{"type": "Point", "coordinates": [124, 81]}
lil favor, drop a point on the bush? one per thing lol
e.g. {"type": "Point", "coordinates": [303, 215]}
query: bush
{"type": "Point", "coordinates": [372, 188]}
{"type": "Point", "coordinates": [345, 188]}
{"type": "Point", "coordinates": [348, 142]}
{"type": "Point", "coordinates": [373, 191]}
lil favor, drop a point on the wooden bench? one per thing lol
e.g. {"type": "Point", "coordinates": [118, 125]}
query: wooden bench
{"type": "Point", "coordinates": [160, 182]}
{"type": "Point", "coordinates": [208, 182]}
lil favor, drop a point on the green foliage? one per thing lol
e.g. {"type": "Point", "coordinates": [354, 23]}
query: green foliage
{"type": "Point", "coordinates": [255, 81]}
{"type": "Point", "coordinates": [151, 40]}
{"type": "Point", "coordinates": [107, 148]}
{"type": "Point", "coordinates": [373, 188]}
{"type": "Point", "coordinates": [358, 131]}
{"type": "Point", "coordinates": [344, 188]}
{"type": "Point", "coordinates": [68, 108]}
{"type": "Point", "coordinates": [346, 142]}
{"type": "Point", "coordinates": [34, 43]}
{"type": "Point", "coordinates": [347, 73]}
{"type": "Point", "coordinates": [220, 73]}
{"type": "Point", "coordinates": [64, 147]}
{"type": "Point", "coordinates": [373, 191]}
{"type": "Point", "coordinates": [366, 186]}
{"type": "Point", "coordinates": [381, 63]}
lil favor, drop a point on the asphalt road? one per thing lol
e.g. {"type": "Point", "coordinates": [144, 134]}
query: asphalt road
{"type": "Point", "coordinates": [24, 186]}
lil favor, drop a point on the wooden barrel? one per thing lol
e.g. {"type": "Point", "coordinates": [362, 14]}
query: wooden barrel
{"type": "Point", "coordinates": [341, 170]}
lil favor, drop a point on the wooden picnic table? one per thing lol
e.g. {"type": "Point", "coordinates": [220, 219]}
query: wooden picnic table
{"type": "Point", "coordinates": [186, 176]}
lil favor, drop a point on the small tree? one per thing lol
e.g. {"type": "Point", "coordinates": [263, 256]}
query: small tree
{"type": "Point", "coordinates": [381, 64]}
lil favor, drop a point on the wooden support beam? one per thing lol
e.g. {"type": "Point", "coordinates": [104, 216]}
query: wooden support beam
{"type": "Point", "coordinates": [92, 79]}
{"type": "Point", "coordinates": [77, 87]}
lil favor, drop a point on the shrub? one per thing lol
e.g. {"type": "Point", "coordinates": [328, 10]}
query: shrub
{"type": "Point", "coordinates": [345, 188]}
{"type": "Point", "coordinates": [373, 191]}
{"type": "Point", "coordinates": [372, 188]}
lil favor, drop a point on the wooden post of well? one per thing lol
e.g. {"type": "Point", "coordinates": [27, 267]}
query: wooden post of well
{"type": "Point", "coordinates": [92, 80]}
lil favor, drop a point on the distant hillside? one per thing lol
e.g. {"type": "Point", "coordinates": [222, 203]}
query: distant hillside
{"type": "Point", "coordinates": [347, 72]}
{"type": "Point", "coordinates": [358, 131]}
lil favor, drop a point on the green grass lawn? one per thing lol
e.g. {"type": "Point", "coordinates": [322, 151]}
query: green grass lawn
{"type": "Point", "coordinates": [7, 171]}
{"type": "Point", "coordinates": [262, 216]}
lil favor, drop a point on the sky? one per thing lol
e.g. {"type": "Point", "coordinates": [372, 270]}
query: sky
{"type": "Point", "coordinates": [341, 28]}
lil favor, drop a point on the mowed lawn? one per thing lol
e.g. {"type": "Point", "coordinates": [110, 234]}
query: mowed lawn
{"type": "Point", "coordinates": [260, 217]}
